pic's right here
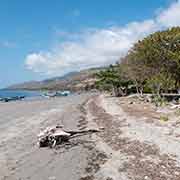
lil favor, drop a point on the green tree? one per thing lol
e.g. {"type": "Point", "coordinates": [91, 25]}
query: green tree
{"type": "Point", "coordinates": [160, 82]}
{"type": "Point", "coordinates": [156, 60]}
{"type": "Point", "coordinates": [113, 79]}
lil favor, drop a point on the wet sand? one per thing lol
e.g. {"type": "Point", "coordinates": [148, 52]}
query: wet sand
{"type": "Point", "coordinates": [21, 121]}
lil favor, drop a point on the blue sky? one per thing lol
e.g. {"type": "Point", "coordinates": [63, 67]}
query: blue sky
{"type": "Point", "coordinates": [46, 38]}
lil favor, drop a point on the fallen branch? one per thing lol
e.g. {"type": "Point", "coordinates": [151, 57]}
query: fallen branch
{"type": "Point", "coordinates": [175, 106]}
{"type": "Point", "coordinates": [51, 136]}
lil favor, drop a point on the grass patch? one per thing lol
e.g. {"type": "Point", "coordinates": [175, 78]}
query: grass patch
{"type": "Point", "coordinates": [177, 112]}
{"type": "Point", "coordinates": [164, 118]}
{"type": "Point", "coordinates": [159, 101]}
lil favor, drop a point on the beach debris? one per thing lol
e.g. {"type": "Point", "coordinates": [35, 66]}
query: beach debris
{"type": "Point", "coordinates": [174, 106]}
{"type": "Point", "coordinates": [52, 136]}
{"type": "Point", "coordinates": [131, 102]}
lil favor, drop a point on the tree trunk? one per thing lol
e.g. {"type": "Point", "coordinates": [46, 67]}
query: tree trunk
{"type": "Point", "coordinates": [137, 88]}
{"type": "Point", "coordinates": [158, 90]}
{"type": "Point", "coordinates": [121, 93]}
{"type": "Point", "coordinates": [141, 90]}
{"type": "Point", "coordinates": [126, 90]}
{"type": "Point", "coordinates": [115, 91]}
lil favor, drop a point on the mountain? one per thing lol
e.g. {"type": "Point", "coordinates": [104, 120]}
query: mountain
{"type": "Point", "coordinates": [74, 81]}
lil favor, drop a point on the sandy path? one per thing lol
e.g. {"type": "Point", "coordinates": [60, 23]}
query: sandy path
{"type": "Point", "coordinates": [136, 148]}
{"type": "Point", "coordinates": [20, 158]}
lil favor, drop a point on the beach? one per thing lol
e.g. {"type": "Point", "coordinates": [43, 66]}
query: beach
{"type": "Point", "coordinates": [134, 142]}
{"type": "Point", "coordinates": [21, 121]}
{"type": "Point", "coordinates": [137, 142]}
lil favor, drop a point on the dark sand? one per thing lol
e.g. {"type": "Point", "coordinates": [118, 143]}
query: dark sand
{"type": "Point", "coordinates": [21, 121]}
{"type": "Point", "coordinates": [135, 143]}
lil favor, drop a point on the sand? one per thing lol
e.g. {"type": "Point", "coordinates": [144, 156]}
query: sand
{"type": "Point", "coordinates": [21, 121]}
{"type": "Point", "coordinates": [138, 144]}
{"type": "Point", "coordinates": [134, 143]}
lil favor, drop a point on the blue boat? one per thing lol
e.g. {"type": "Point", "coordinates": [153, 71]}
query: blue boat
{"type": "Point", "coordinates": [15, 98]}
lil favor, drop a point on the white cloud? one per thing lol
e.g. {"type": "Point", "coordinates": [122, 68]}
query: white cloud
{"type": "Point", "coordinates": [171, 16]}
{"type": "Point", "coordinates": [94, 48]}
{"type": "Point", "coordinates": [98, 47]}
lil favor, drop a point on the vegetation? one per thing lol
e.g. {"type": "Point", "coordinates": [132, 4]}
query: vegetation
{"type": "Point", "coordinates": [164, 118]}
{"type": "Point", "coordinates": [113, 78]}
{"type": "Point", "coordinates": [152, 64]}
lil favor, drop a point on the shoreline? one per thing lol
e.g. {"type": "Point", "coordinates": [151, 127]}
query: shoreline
{"type": "Point", "coordinates": [20, 158]}
{"type": "Point", "coordinates": [134, 141]}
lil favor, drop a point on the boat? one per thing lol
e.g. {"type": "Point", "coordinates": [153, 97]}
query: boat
{"type": "Point", "coordinates": [56, 94]}
{"type": "Point", "coordinates": [50, 94]}
{"type": "Point", "coordinates": [15, 98]}
{"type": "Point", "coordinates": [63, 93]}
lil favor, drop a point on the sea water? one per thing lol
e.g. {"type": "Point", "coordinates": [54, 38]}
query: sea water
{"type": "Point", "coordinates": [14, 93]}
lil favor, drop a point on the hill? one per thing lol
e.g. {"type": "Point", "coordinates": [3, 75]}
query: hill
{"type": "Point", "coordinates": [74, 81]}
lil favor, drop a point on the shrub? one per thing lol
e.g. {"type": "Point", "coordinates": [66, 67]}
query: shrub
{"type": "Point", "coordinates": [164, 118]}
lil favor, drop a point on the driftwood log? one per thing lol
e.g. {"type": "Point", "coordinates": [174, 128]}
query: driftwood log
{"type": "Point", "coordinates": [52, 136]}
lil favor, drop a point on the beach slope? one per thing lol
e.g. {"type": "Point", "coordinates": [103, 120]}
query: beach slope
{"type": "Point", "coordinates": [21, 121]}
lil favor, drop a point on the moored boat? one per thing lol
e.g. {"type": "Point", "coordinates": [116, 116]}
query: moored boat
{"type": "Point", "coordinates": [56, 94]}
{"type": "Point", "coordinates": [63, 93]}
{"type": "Point", "coordinates": [15, 98]}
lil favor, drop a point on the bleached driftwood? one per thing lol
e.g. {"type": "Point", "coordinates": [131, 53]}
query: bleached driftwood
{"type": "Point", "coordinates": [51, 136]}
{"type": "Point", "coordinates": [174, 106]}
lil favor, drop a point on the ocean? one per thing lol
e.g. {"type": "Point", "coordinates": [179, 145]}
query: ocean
{"type": "Point", "coordinates": [13, 93]}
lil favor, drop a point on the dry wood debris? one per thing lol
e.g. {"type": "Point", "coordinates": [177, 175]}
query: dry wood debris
{"type": "Point", "coordinates": [52, 136]}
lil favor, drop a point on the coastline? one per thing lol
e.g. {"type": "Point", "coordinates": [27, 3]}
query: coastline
{"type": "Point", "coordinates": [21, 121]}
{"type": "Point", "coordinates": [134, 142]}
